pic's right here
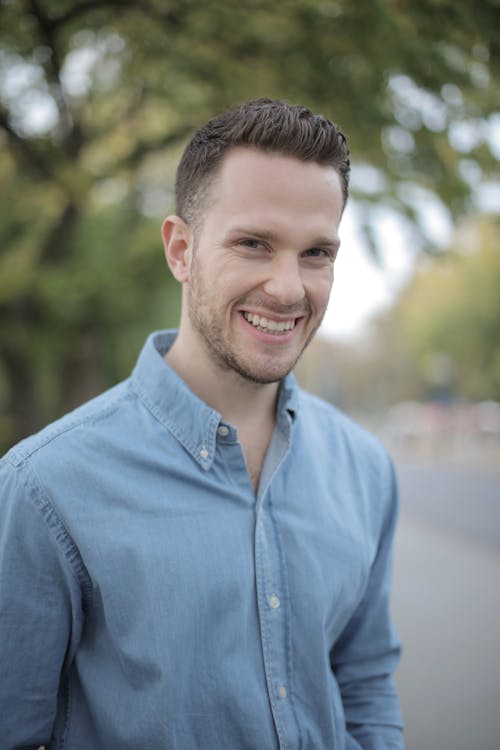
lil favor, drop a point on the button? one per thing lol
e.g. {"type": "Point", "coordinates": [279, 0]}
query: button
{"type": "Point", "coordinates": [223, 430]}
{"type": "Point", "coordinates": [282, 692]}
{"type": "Point", "coordinates": [203, 453]}
{"type": "Point", "coordinates": [274, 602]}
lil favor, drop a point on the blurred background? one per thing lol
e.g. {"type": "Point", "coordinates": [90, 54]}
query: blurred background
{"type": "Point", "coordinates": [97, 100]}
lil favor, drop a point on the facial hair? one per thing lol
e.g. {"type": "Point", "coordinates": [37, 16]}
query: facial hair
{"type": "Point", "coordinates": [204, 317]}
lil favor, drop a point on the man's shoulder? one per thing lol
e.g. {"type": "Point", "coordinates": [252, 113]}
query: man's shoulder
{"type": "Point", "coordinates": [102, 409]}
{"type": "Point", "coordinates": [332, 424]}
{"type": "Point", "coordinates": [349, 455]}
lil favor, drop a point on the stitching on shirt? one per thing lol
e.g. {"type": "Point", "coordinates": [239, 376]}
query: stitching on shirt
{"type": "Point", "coordinates": [285, 427]}
{"type": "Point", "coordinates": [59, 533]}
{"type": "Point", "coordinates": [232, 469]}
{"type": "Point", "coordinates": [287, 619]}
{"type": "Point", "coordinates": [67, 714]}
{"type": "Point", "coordinates": [267, 639]}
{"type": "Point", "coordinates": [178, 433]}
{"type": "Point", "coordinates": [27, 448]}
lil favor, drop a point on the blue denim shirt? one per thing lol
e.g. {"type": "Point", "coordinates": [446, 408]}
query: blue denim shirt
{"type": "Point", "coordinates": [149, 599]}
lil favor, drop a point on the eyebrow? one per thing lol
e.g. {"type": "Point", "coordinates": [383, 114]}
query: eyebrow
{"type": "Point", "coordinates": [265, 234]}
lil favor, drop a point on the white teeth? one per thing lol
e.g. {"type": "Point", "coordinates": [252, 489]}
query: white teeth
{"type": "Point", "coordinates": [269, 325]}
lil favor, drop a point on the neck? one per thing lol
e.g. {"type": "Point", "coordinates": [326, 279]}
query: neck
{"type": "Point", "coordinates": [237, 399]}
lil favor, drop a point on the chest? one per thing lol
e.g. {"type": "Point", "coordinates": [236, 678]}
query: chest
{"type": "Point", "coordinates": [194, 547]}
{"type": "Point", "coordinates": [255, 440]}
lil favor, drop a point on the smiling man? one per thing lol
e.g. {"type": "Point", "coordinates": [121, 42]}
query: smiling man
{"type": "Point", "coordinates": [200, 557]}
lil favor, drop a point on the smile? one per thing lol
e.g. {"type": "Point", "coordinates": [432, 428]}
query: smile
{"type": "Point", "coordinates": [271, 326]}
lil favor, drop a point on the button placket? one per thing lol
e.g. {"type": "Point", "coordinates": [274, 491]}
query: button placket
{"type": "Point", "coordinates": [272, 595]}
{"type": "Point", "coordinates": [274, 617]}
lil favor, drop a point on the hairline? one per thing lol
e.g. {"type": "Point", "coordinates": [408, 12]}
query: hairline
{"type": "Point", "coordinates": [205, 187]}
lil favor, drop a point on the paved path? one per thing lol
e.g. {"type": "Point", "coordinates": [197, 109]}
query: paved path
{"type": "Point", "coordinates": [447, 607]}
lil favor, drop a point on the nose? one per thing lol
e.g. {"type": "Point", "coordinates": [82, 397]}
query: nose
{"type": "Point", "coordinates": [284, 282]}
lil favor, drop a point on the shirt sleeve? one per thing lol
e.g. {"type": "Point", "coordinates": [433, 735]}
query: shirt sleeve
{"type": "Point", "coordinates": [367, 653]}
{"type": "Point", "coordinates": [40, 608]}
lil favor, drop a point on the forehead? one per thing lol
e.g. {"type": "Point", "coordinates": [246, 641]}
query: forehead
{"type": "Point", "coordinates": [253, 181]}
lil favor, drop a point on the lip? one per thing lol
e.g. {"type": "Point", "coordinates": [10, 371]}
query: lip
{"type": "Point", "coordinates": [271, 338]}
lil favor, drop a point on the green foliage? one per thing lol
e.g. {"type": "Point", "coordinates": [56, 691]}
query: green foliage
{"type": "Point", "coordinates": [440, 340]}
{"type": "Point", "coordinates": [97, 98]}
{"type": "Point", "coordinates": [450, 315]}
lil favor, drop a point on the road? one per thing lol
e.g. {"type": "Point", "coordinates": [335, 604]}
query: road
{"type": "Point", "coordinates": [447, 605]}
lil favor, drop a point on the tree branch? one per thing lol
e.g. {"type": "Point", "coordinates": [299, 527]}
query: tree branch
{"type": "Point", "coordinates": [71, 132]}
{"type": "Point", "coordinates": [78, 9]}
{"type": "Point", "coordinates": [143, 148]}
{"type": "Point", "coordinates": [23, 149]}
{"type": "Point", "coordinates": [57, 242]}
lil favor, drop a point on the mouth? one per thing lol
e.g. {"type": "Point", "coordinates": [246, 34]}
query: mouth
{"type": "Point", "coordinates": [276, 327]}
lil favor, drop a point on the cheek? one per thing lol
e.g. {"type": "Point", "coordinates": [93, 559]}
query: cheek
{"type": "Point", "coordinates": [319, 290]}
{"type": "Point", "coordinates": [235, 281]}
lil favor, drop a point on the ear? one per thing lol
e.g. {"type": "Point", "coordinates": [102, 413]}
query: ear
{"type": "Point", "coordinates": [178, 243]}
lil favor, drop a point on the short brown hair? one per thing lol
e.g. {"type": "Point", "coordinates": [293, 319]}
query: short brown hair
{"type": "Point", "coordinates": [265, 124]}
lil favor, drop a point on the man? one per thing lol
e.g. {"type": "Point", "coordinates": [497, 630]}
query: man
{"type": "Point", "coordinates": [200, 557]}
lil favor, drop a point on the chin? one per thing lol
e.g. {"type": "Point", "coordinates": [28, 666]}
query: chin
{"type": "Point", "coordinates": [263, 375]}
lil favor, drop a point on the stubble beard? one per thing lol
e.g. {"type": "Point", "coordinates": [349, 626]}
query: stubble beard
{"type": "Point", "coordinates": [222, 354]}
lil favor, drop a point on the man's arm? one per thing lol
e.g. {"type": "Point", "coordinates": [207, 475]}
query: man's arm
{"type": "Point", "coordinates": [39, 595]}
{"type": "Point", "coordinates": [367, 653]}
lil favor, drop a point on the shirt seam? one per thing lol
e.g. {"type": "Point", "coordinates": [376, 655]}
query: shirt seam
{"type": "Point", "coordinates": [266, 639]}
{"type": "Point", "coordinates": [288, 620]}
{"type": "Point", "coordinates": [59, 533]}
{"type": "Point", "coordinates": [178, 433]}
{"type": "Point", "coordinates": [20, 454]}
{"type": "Point", "coordinates": [67, 715]}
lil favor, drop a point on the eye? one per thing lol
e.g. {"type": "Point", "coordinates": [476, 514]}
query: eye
{"type": "Point", "coordinates": [318, 252]}
{"type": "Point", "coordinates": [252, 244]}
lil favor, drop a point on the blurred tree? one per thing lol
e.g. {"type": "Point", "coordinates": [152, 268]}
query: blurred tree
{"type": "Point", "coordinates": [449, 316]}
{"type": "Point", "coordinates": [97, 97]}
{"type": "Point", "coordinates": [366, 375]}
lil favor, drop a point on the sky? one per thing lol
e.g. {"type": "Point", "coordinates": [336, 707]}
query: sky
{"type": "Point", "coordinates": [363, 286]}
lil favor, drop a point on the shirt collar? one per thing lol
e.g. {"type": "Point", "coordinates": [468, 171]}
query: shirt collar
{"type": "Point", "coordinates": [172, 402]}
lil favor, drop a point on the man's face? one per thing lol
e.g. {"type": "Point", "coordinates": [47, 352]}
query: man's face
{"type": "Point", "coordinates": [262, 269]}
